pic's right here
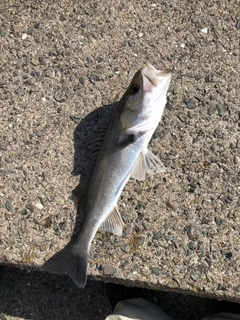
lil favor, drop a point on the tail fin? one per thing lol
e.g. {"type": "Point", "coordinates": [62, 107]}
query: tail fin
{"type": "Point", "coordinates": [68, 262]}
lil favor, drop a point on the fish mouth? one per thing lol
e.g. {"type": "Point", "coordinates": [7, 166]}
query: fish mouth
{"type": "Point", "coordinates": [152, 76]}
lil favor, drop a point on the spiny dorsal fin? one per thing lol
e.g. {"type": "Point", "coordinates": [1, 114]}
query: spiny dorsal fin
{"type": "Point", "coordinates": [113, 223]}
{"type": "Point", "coordinates": [146, 162]}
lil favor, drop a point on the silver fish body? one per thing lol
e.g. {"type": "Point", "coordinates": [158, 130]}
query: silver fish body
{"type": "Point", "coordinates": [123, 154]}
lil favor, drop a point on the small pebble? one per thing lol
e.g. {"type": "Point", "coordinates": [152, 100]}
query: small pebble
{"type": "Point", "coordinates": [229, 255]}
{"type": "Point", "coordinates": [138, 241]}
{"type": "Point", "coordinates": [130, 43]}
{"type": "Point", "coordinates": [18, 90]}
{"type": "Point", "coordinates": [211, 110]}
{"type": "Point", "coordinates": [10, 241]}
{"type": "Point", "coordinates": [28, 83]}
{"type": "Point", "coordinates": [145, 271]}
{"type": "Point", "coordinates": [24, 212]}
{"type": "Point", "coordinates": [237, 288]}
{"type": "Point", "coordinates": [157, 235]}
{"type": "Point", "coordinates": [193, 233]}
{"type": "Point", "coordinates": [209, 78]}
{"type": "Point", "coordinates": [168, 106]}
{"type": "Point", "coordinates": [125, 256]}
{"type": "Point", "coordinates": [194, 275]}
{"type": "Point", "coordinates": [62, 18]}
{"type": "Point", "coordinates": [38, 133]}
{"type": "Point", "coordinates": [183, 118]}
{"type": "Point", "coordinates": [81, 80]}
{"type": "Point", "coordinates": [33, 73]}
{"type": "Point", "coordinates": [218, 221]}
{"type": "Point", "coordinates": [42, 248]}
{"type": "Point", "coordinates": [176, 260]}
{"type": "Point", "coordinates": [29, 206]}
{"type": "Point", "coordinates": [94, 78]}
{"type": "Point", "coordinates": [108, 270]}
{"type": "Point", "coordinates": [238, 24]}
{"type": "Point", "coordinates": [204, 30]}
{"type": "Point", "coordinates": [171, 206]}
{"type": "Point", "coordinates": [59, 98]}
{"type": "Point", "coordinates": [220, 109]}
{"type": "Point", "coordinates": [173, 152]}
{"type": "Point", "coordinates": [36, 242]}
{"type": "Point", "coordinates": [62, 225]}
{"type": "Point", "coordinates": [8, 205]}
{"type": "Point", "coordinates": [125, 248]}
{"type": "Point", "coordinates": [191, 105]}
{"type": "Point", "coordinates": [24, 36]}
{"type": "Point", "coordinates": [168, 237]}
{"type": "Point", "coordinates": [39, 206]}
{"type": "Point", "coordinates": [3, 33]}
{"type": "Point", "coordinates": [29, 31]}
{"type": "Point", "coordinates": [36, 25]}
{"type": "Point", "coordinates": [200, 246]}
{"type": "Point", "coordinates": [213, 248]}
{"type": "Point", "coordinates": [222, 287]}
{"type": "Point", "coordinates": [8, 257]}
{"type": "Point", "coordinates": [191, 245]}
{"type": "Point", "coordinates": [35, 60]}
{"type": "Point", "coordinates": [156, 271]}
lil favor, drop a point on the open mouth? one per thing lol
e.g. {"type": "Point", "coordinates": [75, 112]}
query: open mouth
{"type": "Point", "coordinates": [154, 76]}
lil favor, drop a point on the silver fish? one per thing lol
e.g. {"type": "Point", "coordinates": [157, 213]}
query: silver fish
{"type": "Point", "coordinates": [123, 154]}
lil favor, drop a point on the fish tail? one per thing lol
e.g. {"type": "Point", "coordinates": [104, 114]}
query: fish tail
{"type": "Point", "coordinates": [66, 261]}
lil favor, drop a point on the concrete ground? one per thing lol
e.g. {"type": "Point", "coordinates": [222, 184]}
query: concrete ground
{"type": "Point", "coordinates": [63, 64]}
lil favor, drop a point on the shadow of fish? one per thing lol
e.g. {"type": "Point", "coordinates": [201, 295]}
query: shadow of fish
{"type": "Point", "coordinates": [123, 154]}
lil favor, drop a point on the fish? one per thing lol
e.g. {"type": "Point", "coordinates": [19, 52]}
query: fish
{"type": "Point", "coordinates": [123, 154]}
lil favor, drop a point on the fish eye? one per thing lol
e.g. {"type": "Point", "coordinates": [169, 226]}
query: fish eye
{"type": "Point", "coordinates": [134, 88]}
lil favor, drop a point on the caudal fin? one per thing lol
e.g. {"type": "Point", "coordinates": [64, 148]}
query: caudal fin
{"type": "Point", "coordinates": [68, 262]}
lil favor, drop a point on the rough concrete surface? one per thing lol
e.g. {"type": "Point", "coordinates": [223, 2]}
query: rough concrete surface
{"type": "Point", "coordinates": [60, 61]}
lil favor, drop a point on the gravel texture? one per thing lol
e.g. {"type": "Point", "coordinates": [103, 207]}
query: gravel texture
{"type": "Point", "coordinates": [59, 63]}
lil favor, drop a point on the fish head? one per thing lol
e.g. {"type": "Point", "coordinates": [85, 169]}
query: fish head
{"type": "Point", "coordinates": [145, 99]}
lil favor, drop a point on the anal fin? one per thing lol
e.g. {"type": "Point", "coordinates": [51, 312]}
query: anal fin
{"type": "Point", "coordinates": [113, 223]}
{"type": "Point", "coordinates": [146, 162]}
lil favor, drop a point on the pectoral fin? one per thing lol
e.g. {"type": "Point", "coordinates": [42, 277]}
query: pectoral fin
{"type": "Point", "coordinates": [146, 162]}
{"type": "Point", "coordinates": [122, 144]}
{"type": "Point", "coordinates": [113, 223]}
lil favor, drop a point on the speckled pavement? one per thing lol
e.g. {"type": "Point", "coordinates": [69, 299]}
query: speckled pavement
{"type": "Point", "coordinates": [59, 63]}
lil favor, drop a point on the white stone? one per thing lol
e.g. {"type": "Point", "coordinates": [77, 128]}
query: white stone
{"type": "Point", "coordinates": [204, 30]}
{"type": "Point", "coordinates": [39, 206]}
